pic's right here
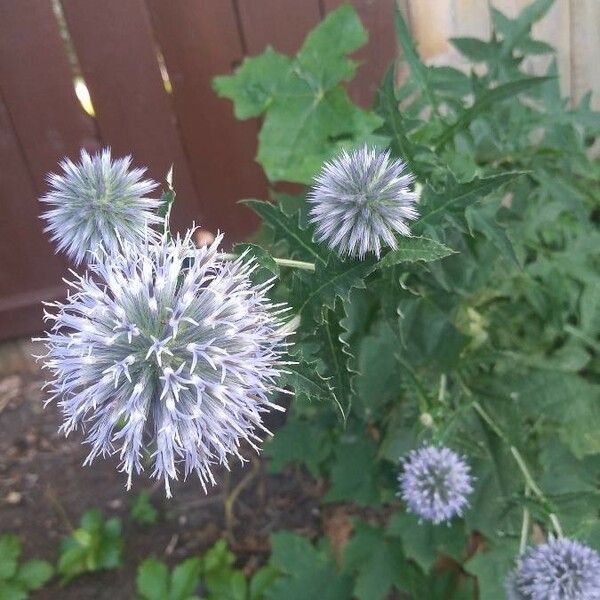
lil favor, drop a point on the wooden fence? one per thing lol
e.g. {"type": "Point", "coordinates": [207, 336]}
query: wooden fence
{"type": "Point", "coordinates": [122, 49]}
{"type": "Point", "coordinates": [148, 64]}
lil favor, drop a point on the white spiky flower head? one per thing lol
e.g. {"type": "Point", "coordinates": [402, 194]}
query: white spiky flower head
{"type": "Point", "coordinates": [361, 200]}
{"type": "Point", "coordinates": [97, 201]}
{"type": "Point", "coordinates": [169, 349]}
{"type": "Point", "coordinates": [561, 569]}
{"type": "Point", "coordinates": [436, 483]}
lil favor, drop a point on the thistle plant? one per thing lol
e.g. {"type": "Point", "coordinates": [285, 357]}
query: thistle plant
{"type": "Point", "coordinates": [361, 200]}
{"type": "Point", "coordinates": [561, 569]}
{"type": "Point", "coordinates": [98, 201]}
{"type": "Point", "coordinates": [169, 350]}
{"type": "Point", "coordinates": [435, 483]}
{"type": "Point", "coordinates": [480, 331]}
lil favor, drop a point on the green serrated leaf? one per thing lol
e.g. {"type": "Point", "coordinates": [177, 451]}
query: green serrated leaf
{"type": "Point", "coordinates": [10, 590]}
{"type": "Point", "coordinates": [409, 53]}
{"type": "Point", "coordinates": [142, 511]}
{"type": "Point", "coordinates": [491, 568]}
{"type": "Point", "coordinates": [286, 228]}
{"type": "Point", "coordinates": [300, 441]}
{"type": "Point", "coordinates": [482, 218]}
{"type": "Point", "coordinates": [94, 546]}
{"type": "Point", "coordinates": [260, 256]}
{"type": "Point", "coordinates": [255, 83]}
{"type": "Point", "coordinates": [185, 579]}
{"type": "Point", "coordinates": [455, 197]}
{"type": "Point", "coordinates": [483, 103]}
{"type": "Point", "coordinates": [308, 114]}
{"type": "Point", "coordinates": [167, 199]}
{"type": "Point", "coordinates": [335, 280]}
{"type": "Point", "coordinates": [33, 574]}
{"type": "Point", "coordinates": [377, 560]}
{"type": "Point", "coordinates": [10, 550]}
{"type": "Point", "coordinates": [424, 542]}
{"type": "Point", "coordinates": [306, 572]}
{"type": "Point", "coordinates": [522, 25]}
{"type": "Point", "coordinates": [475, 49]}
{"type": "Point", "coordinates": [414, 249]}
{"type": "Point", "coordinates": [306, 382]}
{"type": "Point", "coordinates": [353, 476]}
{"type": "Point", "coordinates": [153, 580]}
{"type": "Point", "coordinates": [394, 126]}
{"type": "Point", "coordinates": [261, 581]}
{"type": "Point", "coordinates": [336, 357]}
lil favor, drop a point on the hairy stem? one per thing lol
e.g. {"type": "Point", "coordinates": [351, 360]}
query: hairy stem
{"type": "Point", "coordinates": [232, 496]}
{"type": "Point", "coordinates": [525, 526]}
{"type": "Point", "coordinates": [282, 262]}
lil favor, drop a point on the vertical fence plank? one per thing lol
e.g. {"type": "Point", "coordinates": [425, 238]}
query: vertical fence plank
{"type": "Point", "coordinates": [38, 87]}
{"type": "Point", "coordinates": [434, 21]}
{"type": "Point", "coordinates": [378, 18]}
{"type": "Point", "coordinates": [117, 54]}
{"type": "Point", "coordinates": [40, 122]}
{"type": "Point", "coordinates": [471, 18]}
{"type": "Point", "coordinates": [199, 40]}
{"type": "Point", "coordinates": [585, 48]}
{"type": "Point", "coordinates": [431, 25]}
{"type": "Point", "coordinates": [282, 24]}
{"type": "Point", "coordinates": [29, 271]}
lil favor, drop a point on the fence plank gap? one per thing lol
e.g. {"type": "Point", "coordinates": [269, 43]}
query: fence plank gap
{"type": "Point", "coordinates": [198, 41]}
{"type": "Point", "coordinates": [117, 53]}
{"type": "Point", "coordinates": [282, 24]}
{"type": "Point", "coordinates": [378, 18]}
{"type": "Point", "coordinates": [38, 87]}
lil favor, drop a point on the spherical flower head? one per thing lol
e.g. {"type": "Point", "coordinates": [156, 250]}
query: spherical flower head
{"type": "Point", "coordinates": [360, 201]}
{"type": "Point", "coordinates": [435, 483]}
{"type": "Point", "coordinates": [97, 201]}
{"type": "Point", "coordinates": [166, 350]}
{"type": "Point", "coordinates": [562, 569]}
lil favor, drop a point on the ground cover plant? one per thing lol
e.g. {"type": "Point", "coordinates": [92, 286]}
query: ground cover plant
{"type": "Point", "coordinates": [430, 306]}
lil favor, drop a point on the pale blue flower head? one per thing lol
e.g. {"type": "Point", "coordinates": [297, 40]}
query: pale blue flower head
{"type": "Point", "coordinates": [435, 483]}
{"type": "Point", "coordinates": [97, 201]}
{"type": "Point", "coordinates": [167, 350]}
{"type": "Point", "coordinates": [562, 569]}
{"type": "Point", "coordinates": [360, 201]}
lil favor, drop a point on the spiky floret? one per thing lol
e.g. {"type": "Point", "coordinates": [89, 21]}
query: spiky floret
{"type": "Point", "coordinates": [562, 569]}
{"type": "Point", "coordinates": [360, 201]}
{"type": "Point", "coordinates": [167, 348]}
{"type": "Point", "coordinates": [435, 483]}
{"type": "Point", "coordinates": [98, 200]}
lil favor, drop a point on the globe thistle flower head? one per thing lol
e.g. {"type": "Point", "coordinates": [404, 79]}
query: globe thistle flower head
{"type": "Point", "coordinates": [561, 569]}
{"type": "Point", "coordinates": [97, 201]}
{"type": "Point", "coordinates": [166, 350]}
{"type": "Point", "coordinates": [435, 483]}
{"type": "Point", "coordinates": [360, 201]}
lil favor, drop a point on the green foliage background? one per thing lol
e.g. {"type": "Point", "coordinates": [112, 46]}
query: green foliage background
{"type": "Point", "coordinates": [481, 332]}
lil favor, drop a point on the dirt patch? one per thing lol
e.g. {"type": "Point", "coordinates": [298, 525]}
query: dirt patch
{"type": "Point", "coordinates": [44, 489]}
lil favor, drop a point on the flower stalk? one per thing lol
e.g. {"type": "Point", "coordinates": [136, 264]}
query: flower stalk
{"type": "Point", "coordinates": [529, 480]}
{"type": "Point", "coordinates": [282, 262]}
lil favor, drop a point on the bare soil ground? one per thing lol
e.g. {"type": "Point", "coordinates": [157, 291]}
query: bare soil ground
{"type": "Point", "coordinates": [44, 489]}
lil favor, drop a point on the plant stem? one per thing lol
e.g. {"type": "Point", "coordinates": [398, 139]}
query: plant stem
{"type": "Point", "coordinates": [232, 496]}
{"type": "Point", "coordinates": [529, 480]}
{"type": "Point", "coordinates": [442, 391]}
{"type": "Point", "coordinates": [525, 526]}
{"type": "Point", "coordinates": [283, 262]}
